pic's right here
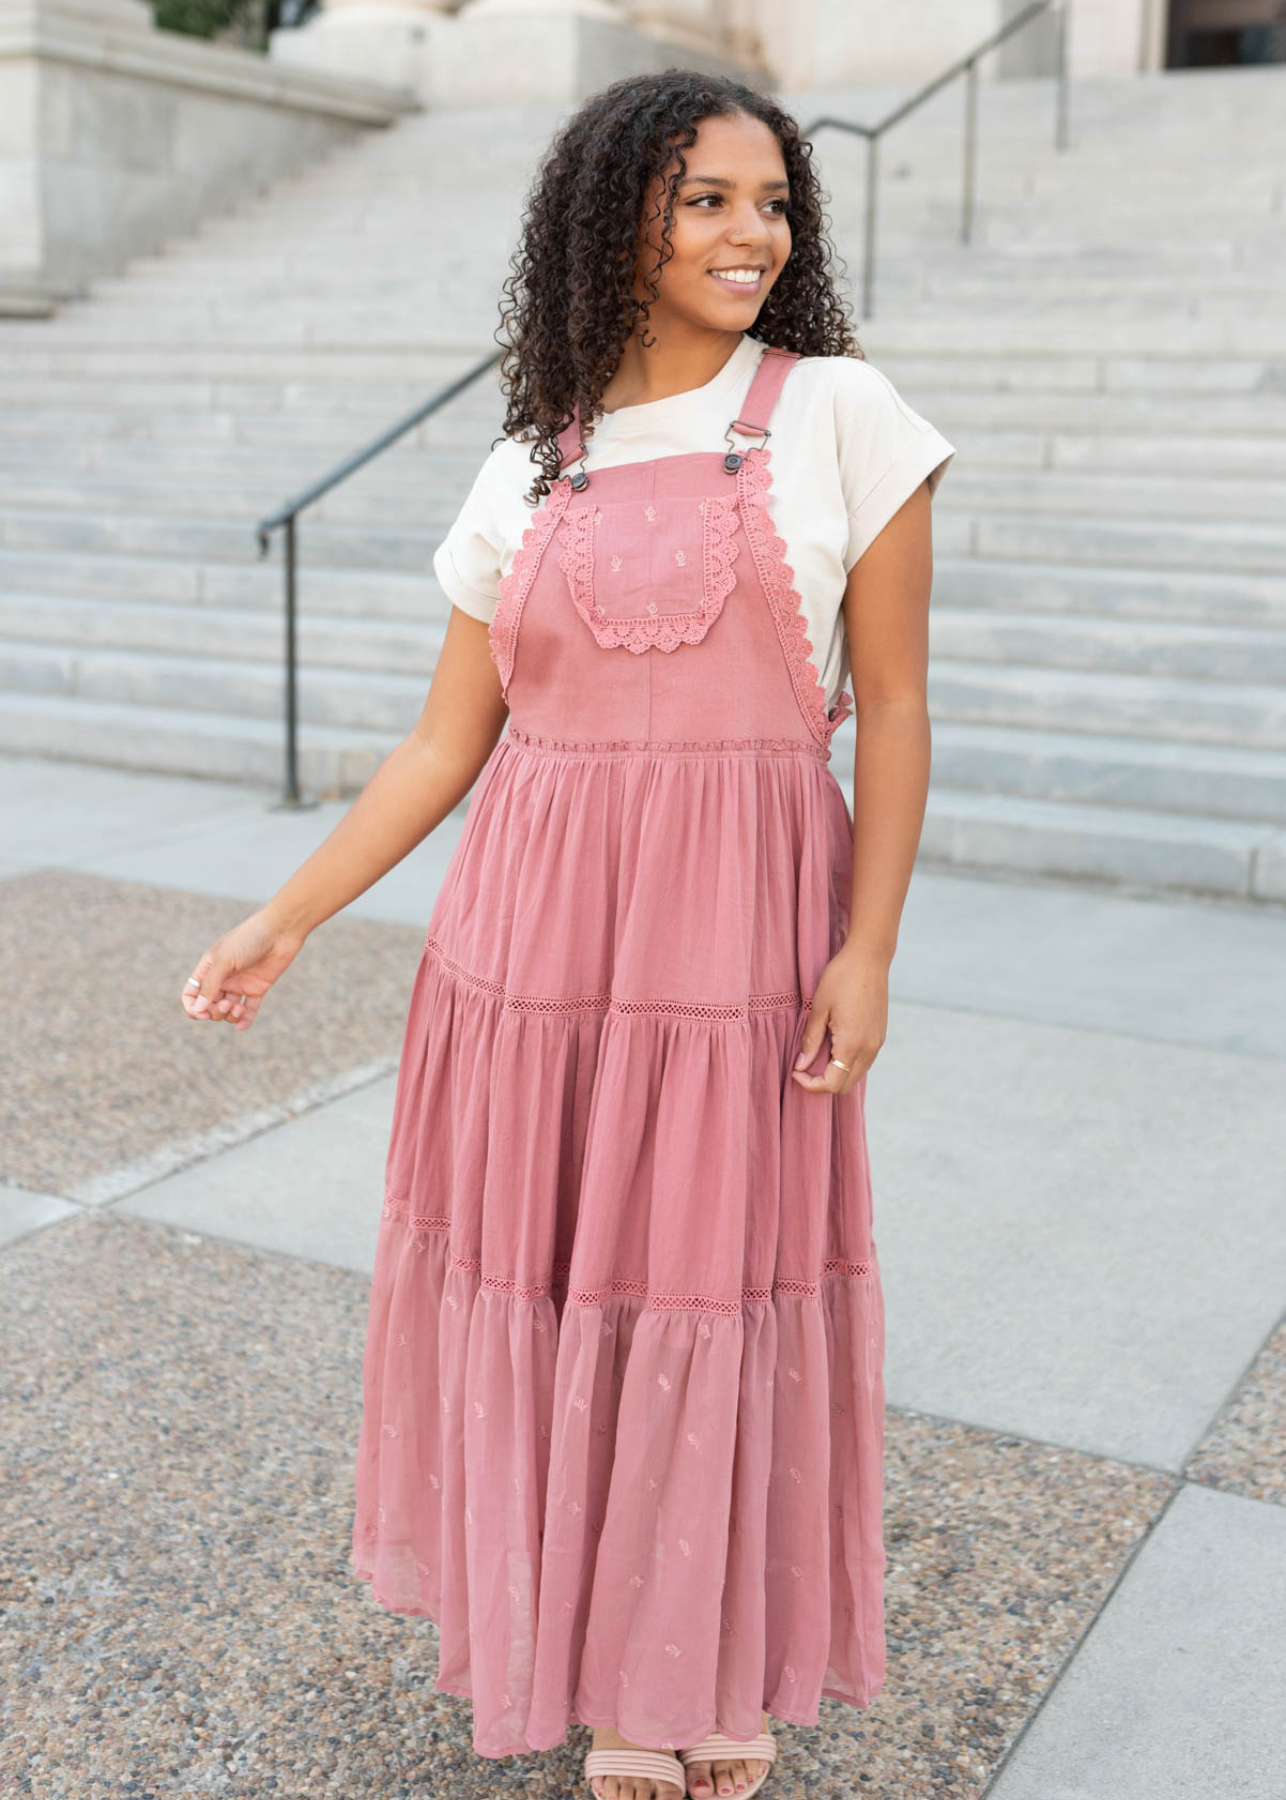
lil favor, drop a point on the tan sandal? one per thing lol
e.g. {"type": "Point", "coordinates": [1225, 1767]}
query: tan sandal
{"type": "Point", "coordinates": [717, 1748]}
{"type": "Point", "coordinates": [652, 1765]}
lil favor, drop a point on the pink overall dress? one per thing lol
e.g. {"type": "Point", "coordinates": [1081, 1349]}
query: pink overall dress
{"type": "Point", "coordinates": [623, 1419]}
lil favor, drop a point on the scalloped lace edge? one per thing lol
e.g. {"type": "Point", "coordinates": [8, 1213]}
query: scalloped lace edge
{"type": "Point", "coordinates": [664, 631]}
{"type": "Point", "coordinates": [754, 480]}
{"type": "Point", "coordinates": [515, 584]}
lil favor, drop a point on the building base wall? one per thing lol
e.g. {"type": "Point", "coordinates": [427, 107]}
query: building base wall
{"type": "Point", "coordinates": [115, 136]}
{"type": "Point", "coordinates": [461, 61]}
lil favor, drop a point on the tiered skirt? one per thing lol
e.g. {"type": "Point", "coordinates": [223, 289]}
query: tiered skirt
{"type": "Point", "coordinates": [622, 1436]}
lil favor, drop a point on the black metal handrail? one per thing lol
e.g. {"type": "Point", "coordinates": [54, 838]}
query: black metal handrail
{"type": "Point", "coordinates": [967, 66]}
{"type": "Point", "coordinates": [285, 517]}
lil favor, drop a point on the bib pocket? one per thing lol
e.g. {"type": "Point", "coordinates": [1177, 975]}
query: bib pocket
{"type": "Point", "coordinates": [650, 574]}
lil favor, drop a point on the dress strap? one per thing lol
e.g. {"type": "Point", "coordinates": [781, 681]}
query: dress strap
{"type": "Point", "coordinates": [761, 397]}
{"type": "Point", "coordinates": [756, 408]}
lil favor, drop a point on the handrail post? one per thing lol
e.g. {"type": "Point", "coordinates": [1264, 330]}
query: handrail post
{"type": "Point", "coordinates": [968, 67]}
{"type": "Point", "coordinates": [292, 797]}
{"type": "Point", "coordinates": [868, 244]}
{"type": "Point", "coordinates": [1062, 106]}
{"type": "Point", "coordinates": [970, 149]}
{"type": "Point", "coordinates": [286, 518]}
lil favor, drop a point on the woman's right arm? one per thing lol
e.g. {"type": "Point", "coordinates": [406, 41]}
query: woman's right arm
{"type": "Point", "coordinates": [422, 780]}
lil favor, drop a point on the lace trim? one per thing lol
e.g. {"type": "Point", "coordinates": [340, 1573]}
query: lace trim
{"type": "Point", "coordinates": [604, 1003]}
{"type": "Point", "coordinates": [514, 586]}
{"type": "Point", "coordinates": [755, 746]}
{"type": "Point", "coordinates": [754, 483]}
{"type": "Point", "coordinates": [719, 545]}
{"type": "Point", "coordinates": [660, 631]}
{"type": "Point", "coordinates": [401, 1210]}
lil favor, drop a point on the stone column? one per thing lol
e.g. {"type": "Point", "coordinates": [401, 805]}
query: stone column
{"type": "Point", "coordinates": [389, 41]}
{"type": "Point", "coordinates": [524, 52]}
{"type": "Point", "coordinates": [689, 24]}
{"type": "Point", "coordinates": [609, 12]}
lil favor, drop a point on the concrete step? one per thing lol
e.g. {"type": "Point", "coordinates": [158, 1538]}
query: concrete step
{"type": "Point", "coordinates": [1095, 769]}
{"type": "Point", "coordinates": [1242, 547]}
{"type": "Point", "coordinates": [1199, 652]}
{"type": "Point", "coordinates": [1120, 846]}
{"type": "Point", "coordinates": [54, 626]}
{"type": "Point", "coordinates": [1165, 709]}
{"type": "Point", "coordinates": [213, 540]}
{"type": "Point", "coordinates": [1171, 595]}
{"type": "Point", "coordinates": [234, 688]}
{"type": "Point", "coordinates": [184, 741]}
{"type": "Point", "coordinates": [181, 581]}
{"type": "Point", "coordinates": [382, 497]}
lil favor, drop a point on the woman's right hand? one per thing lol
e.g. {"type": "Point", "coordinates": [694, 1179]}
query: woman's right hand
{"type": "Point", "coordinates": [243, 962]}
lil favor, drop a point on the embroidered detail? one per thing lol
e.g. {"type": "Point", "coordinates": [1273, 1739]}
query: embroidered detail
{"type": "Point", "coordinates": [653, 629]}
{"type": "Point", "coordinates": [838, 1265]}
{"type": "Point", "coordinates": [596, 1296]}
{"type": "Point", "coordinates": [517, 739]}
{"type": "Point", "coordinates": [649, 513]}
{"type": "Point", "coordinates": [515, 584]}
{"type": "Point", "coordinates": [754, 484]}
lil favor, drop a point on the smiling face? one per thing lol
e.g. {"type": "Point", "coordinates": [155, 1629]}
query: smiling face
{"type": "Point", "coordinates": [731, 231]}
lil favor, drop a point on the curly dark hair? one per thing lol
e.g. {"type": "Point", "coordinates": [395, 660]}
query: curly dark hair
{"type": "Point", "coordinates": [568, 305]}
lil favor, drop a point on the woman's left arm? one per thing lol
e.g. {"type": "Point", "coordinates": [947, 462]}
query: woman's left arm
{"type": "Point", "coordinates": [886, 616]}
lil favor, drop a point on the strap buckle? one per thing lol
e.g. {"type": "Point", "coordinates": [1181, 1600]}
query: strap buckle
{"type": "Point", "coordinates": [734, 458]}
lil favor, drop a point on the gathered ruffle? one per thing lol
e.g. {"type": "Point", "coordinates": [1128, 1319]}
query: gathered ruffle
{"type": "Point", "coordinates": [710, 1543]}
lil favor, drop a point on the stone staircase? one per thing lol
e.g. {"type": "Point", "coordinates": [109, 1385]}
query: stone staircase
{"type": "Point", "coordinates": [1108, 682]}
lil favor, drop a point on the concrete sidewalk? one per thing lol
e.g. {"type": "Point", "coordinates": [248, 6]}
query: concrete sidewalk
{"type": "Point", "coordinates": [1078, 1140]}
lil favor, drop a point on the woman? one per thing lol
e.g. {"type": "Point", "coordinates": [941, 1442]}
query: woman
{"type": "Point", "coordinates": [623, 1415]}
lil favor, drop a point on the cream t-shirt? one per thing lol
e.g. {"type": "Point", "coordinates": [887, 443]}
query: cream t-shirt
{"type": "Point", "coordinates": [847, 451]}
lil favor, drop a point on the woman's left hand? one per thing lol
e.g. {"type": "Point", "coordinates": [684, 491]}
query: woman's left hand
{"type": "Point", "coordinates": [851, 1002]}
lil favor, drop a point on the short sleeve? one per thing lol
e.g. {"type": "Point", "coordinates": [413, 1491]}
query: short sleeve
{"type": "Point", "coordinates": [885, 451]}
{"type": "Point", "coordinates": [469, 560]}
